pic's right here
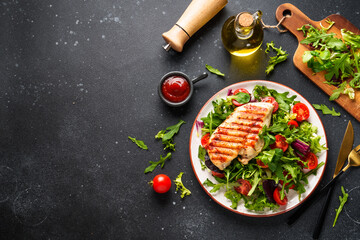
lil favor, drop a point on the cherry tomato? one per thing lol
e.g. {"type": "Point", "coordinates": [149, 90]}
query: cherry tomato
{"type": "Point", "coordinates": [161, 183]}
{"type": "Point", "coordinates": [312, 160]}
{"type": "Point", "coordinates": [277, 198]}
{"type": "Point", "coordinates": [244, 187]}
{"type": "Point", "coordinates": [261, 164]}
{"type": "Point", "coordinates": [272, 101]}
{"type": "Point", "coordinates": [205, 140]}
{"type": "Point", "coordinates": [302, 112]}
{"type": "Point", "coordinates": [217, 174]}
{"type": "Point", "coordinates": [280, 142]}
{"type": "Point", "coordinates": [236, 103]}
{"type": "Point", "coordinates": [293, 123]}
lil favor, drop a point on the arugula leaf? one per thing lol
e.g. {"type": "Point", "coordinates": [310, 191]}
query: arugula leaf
{"type": "Point", "coordinates": [139, 143]}
{"type": "Point", "coordinates": [343, 200]}
{"type": "Point", "coordinates": [328, 21]}
{"type": "Point", "coordinates": [161, 162]}
{"type": "Point", "coordinates": [340, 65]}
{"type": "Point", "coordinates": [326, 110]}
{"type": "Point", "coordinates": [355, 82]}
{"type": "Point", "coordinates": [266, 136]}
{"type": "Point", "coordinates": [339, 58]}
{"type": "Point", "coordinates": [234, 197]}
{"type": "Point", "coordinates": [351, 38]}
{"type": "Point", "coordinates": [214, 70]}
{"type": "Point", "coordinates": [282, 99]}
{"type": "Point", "coordinates": [167, 135]}
{"type": "Point", "coordinates": [215, 187]}
{"type": "Point", "coordinates": [201, 156]}
{"type": "Point", "coordinates": [336, 92]}
{"type": "Point", "coordinates": [281, 56]}
{"type": "Point", "coordinates": [180, 186]}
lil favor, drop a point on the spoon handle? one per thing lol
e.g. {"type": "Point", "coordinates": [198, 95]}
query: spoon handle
{"type": "Point", "coordinates": [202, 76]}
{"type": "Point", "coordinates": [311, 199]}
{"type": "Point", "coordinates": [320, 220]}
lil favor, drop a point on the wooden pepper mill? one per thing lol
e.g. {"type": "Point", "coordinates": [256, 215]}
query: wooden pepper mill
{"type": "Point", "coordinates": [195, 16]}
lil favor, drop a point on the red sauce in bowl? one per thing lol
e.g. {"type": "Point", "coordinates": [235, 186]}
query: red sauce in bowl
{"type": "Point", "coordinates": [175, 89]}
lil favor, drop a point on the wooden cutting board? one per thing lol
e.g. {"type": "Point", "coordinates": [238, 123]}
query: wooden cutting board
{"type": "Point", "coordinates": [296, 19]}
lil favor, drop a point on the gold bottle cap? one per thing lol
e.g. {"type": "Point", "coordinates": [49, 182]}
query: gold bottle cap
{"type": "Point", "coordinates": [246, 19]}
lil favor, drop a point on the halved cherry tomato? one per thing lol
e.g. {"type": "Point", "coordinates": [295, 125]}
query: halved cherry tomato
{"type": "Point", "coordinates": [261, 164]}
{"type": "Point", "coordinates": [217, 174]}
{"type": "Point", "coordinates": [205, 140]}
{"type": "Point", "coordinates": [302, 112]}
{"type": "Point", "coordinates": [161, 183]}
{"type": "Point", "coordinates": [293, 123]}
{"type": "Point", "coordinates": [280, 142]}
{"type": "Point", "coordinates": [272, 101]}
{"type": "Point", "coordinates": [312, 160]}
{"type": "Point", "coordinates": [236, 103]}
{"type": "Point", "coordinates": [277, 198]}
{"type": "Point", "coordinates": [244, 187]}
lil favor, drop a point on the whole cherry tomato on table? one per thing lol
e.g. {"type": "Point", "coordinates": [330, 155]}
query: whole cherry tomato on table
{"type": "Point", "coordinates": [161, 183]}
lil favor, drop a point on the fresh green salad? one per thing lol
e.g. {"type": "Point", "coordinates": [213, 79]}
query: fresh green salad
{"type": "Point", "coordinates": [338, 58]}
{"type": "Point", "coordinates": [287, 159]}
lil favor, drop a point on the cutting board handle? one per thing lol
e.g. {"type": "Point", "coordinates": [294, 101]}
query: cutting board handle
{"type": "Point", "coordinates": [294, 19]}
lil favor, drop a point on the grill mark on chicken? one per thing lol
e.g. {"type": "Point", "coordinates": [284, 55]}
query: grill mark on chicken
{"type": "Point", "coordinates": [238, 134]}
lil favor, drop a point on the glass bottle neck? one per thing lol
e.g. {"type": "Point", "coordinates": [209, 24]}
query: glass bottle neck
{"type": "Point", "coordinates": [244, 25]}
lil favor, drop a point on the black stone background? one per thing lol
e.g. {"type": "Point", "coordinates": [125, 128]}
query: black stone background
{"type": "Point", "coordinates": [78, 77]}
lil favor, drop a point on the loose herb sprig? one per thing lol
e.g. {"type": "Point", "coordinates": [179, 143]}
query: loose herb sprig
{"type": "Point", "coordinates": [161, 162]}
{"type": "Point", "coordinates": [343, 200]}
{"type": "Point", "coordinates": [214, 70]}
{"type": "Point", "coordinates": [167, 135]}
{"type": "Point", "coordinates": [139, 143]}
{"type": "Point", "coordinates": [281, 56]}
{"type": "Point", "coordinates": [326, 110]}
{"type": "Point", "coordinates": [180, 186]}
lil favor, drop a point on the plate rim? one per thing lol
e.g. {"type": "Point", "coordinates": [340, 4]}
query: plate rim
{"type": "Point", "coordinates": [228, 207]}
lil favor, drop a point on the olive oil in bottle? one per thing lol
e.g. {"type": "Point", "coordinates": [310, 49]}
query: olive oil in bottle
{"type": "Point", "coordinates": [243, 34]}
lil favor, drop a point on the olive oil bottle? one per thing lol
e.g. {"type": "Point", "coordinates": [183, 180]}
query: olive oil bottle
{"type": "Point", "coordinates": [243, 34]}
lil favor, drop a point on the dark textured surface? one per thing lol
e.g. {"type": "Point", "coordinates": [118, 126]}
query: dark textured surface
{"type": "Point", "coordinates": [78, 77]}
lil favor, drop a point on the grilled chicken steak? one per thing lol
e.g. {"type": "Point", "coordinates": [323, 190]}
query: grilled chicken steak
{"type": "Point", "coordinates": [238, 136]}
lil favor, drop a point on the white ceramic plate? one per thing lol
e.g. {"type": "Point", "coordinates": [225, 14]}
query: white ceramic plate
{"type": "Point", "coordinates": [202, 175]}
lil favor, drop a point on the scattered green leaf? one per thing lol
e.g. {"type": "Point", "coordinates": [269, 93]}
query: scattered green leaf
{"type": "Point", "coordinates": [161, 162]}
{"type": "Point", "coordinates": [214, 70]}
{"type": "Point", "coordinates": [167, 135]}
{"type": "Point", "coordinates": [281, 56]}
{"type": "Point", "coordinates": [180, 186]}
{"type": "Point", "coordinates": [139, 143]}
{"type": "Point", "coordinates": [343, 200]}
{"type": "Point", "coordinates": [326, 110]}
